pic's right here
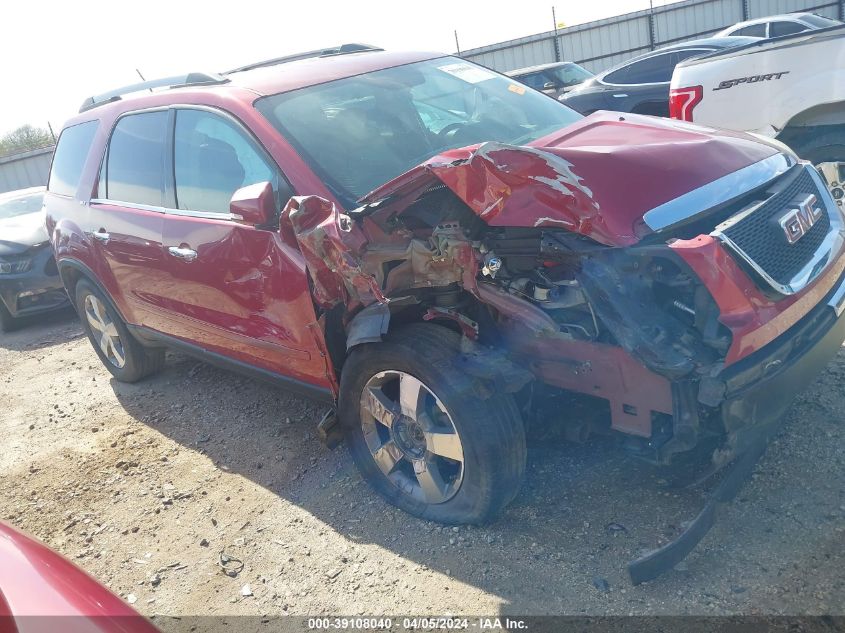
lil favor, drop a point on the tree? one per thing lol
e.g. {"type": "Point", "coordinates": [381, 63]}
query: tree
{"type": "Point", "coordinates": [25, 138]}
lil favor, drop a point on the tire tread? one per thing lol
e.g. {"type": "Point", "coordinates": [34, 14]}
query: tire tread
{"type": "Point", "coordinates": [502, 442]}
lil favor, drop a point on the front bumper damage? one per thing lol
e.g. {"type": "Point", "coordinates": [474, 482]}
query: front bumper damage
{"type": "Point", "coordinates": [39, 289]}
{"type": "Point", "coordinates": [672, 332]}
{"type": "Point", "coordinates": [759, 391]}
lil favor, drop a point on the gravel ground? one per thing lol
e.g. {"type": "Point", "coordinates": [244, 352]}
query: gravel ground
{"type": "Point", "coordinates": [145, 485]}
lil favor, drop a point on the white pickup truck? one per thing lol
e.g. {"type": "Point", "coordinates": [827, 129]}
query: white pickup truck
{"type": "Point", "coordinates": [790, 88]}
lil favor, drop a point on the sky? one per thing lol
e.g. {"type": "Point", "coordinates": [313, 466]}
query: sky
{"type": "Point", "coordinates": [54, 54]}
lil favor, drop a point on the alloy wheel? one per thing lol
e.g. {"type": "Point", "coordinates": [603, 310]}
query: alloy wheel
{"type": "Point", "coordinates": [411, 437]}
{"type": "Point", "coordinates": [833, 174]}
{"type": "Point", "coordinates": [104, 331]}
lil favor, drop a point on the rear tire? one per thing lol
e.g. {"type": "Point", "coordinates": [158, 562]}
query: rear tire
{"type": "Point", "coordinates": [119, 351]}
{"type": "Point", "coordinates": [466, 439]}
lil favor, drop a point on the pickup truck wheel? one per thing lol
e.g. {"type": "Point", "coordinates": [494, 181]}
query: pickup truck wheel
{"type": "Point", "coordinates": [120, 352]}
{"type": "Point", "coordinates": [833, 173]}
{"type": "Point", "coordinates": [825, 149]}
{"type": "Point", "coordinates": [424, 434]}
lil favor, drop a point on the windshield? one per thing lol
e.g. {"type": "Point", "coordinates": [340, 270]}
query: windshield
{"type": "Point", "coordinates": [360, 132]}
{"type": "Point", "coordinates": [20, 205]}
{"type": "Point", "coordinates": [570, 74]}
{"type": "Point", "coordinates": [820, 22]}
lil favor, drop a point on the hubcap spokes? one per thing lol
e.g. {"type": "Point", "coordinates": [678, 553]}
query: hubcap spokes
{"type": "Point", "coordinates": [834, 175]}
{"type": "Point", "coordinates": [411, 437]}
{"type": "Point", "coordinates": [104, 331]}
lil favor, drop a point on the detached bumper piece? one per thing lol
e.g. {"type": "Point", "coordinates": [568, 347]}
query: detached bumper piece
{"type": "Point", "coordinates": [759, 391]}
{"type": "Point", "coordinates": [657, 562]}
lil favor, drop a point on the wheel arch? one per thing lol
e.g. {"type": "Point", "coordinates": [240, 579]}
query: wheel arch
{"type": "Point", "coordinates": [486, 417]}
{"type": "Point", "coordinates": [72, 271]}
{"type": "Point", "coordinates": [832, 113]}
{"type": "Point", "coordinates": [371, 324]}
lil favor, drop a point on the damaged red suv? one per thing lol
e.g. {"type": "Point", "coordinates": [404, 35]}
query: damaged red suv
{"type": "Point", "coordinates": [447, 256]}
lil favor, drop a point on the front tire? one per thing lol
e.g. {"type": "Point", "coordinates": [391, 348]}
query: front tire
{"type": "Point", "coordinates": [426, 435]}
{"type": "Point", "coordinates": [119, 351]}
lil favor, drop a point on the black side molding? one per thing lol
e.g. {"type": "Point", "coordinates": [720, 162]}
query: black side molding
{"type": "Point", "coordinates": [152, 338]}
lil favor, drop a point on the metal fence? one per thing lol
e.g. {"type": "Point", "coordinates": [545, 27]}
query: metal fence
{"type": "Point", "coordinates": [27, 169]}
{"type": "Point", "coordinates": [603, 43]}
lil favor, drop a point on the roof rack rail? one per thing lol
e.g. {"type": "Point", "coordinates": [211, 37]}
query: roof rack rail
{"type": "Point", "coordinates": [191, 79]}
{"type": "Point", "coordinates": [343, 49]}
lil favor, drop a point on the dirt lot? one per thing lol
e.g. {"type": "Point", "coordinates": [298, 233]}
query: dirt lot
{"type": "Point", "coordinates": [144, 486]}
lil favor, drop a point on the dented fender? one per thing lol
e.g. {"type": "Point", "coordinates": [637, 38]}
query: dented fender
{"type": "Point", "coordinates": [331, 245]}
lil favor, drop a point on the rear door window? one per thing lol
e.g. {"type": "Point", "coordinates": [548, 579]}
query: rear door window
{"type": "Point", "coordinates": [135, 159]}
{"type": "Point", "coordinates": [69, 158]}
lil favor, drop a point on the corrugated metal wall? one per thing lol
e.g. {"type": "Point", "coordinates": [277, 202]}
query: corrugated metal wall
{"type": "Point", "coordinates": [604, 43]}
{"type": "Point", "coordinates": [29, 169]}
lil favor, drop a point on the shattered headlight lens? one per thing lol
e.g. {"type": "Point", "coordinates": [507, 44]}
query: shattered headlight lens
{"type": "Point", "coordinates": [15, 267]}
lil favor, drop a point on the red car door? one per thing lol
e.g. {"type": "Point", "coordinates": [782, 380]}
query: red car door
{"type": "Point", "coordinates": [126, 218]}
{"type": "Point", "coordinates": [235, 289]}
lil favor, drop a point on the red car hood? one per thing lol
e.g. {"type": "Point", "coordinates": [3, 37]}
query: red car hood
{"type": "Point", "coordinates": [36, 581]}
{"type": "Point", "coordinates": [597, 177]}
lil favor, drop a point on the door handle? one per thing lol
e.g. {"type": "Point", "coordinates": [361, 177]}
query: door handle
{"type": "Point", "coordinates": [620, 95]}
{"type": "Point", "coordinates": [187, 254]}
{"type": "Point", "coordinates": [101, 236]}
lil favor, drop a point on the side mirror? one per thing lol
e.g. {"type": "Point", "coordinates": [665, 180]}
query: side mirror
{"type": "Point", "coordinates": [254, 204]}
{"type": "Point", "coordinates": [550, 85]}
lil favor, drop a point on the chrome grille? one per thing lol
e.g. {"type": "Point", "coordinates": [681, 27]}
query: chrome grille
{"type": "Point", "coordinates": [756, 237]}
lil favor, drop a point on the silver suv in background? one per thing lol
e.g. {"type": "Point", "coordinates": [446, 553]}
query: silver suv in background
{"type": "Point", "coordinates": [779, 25]}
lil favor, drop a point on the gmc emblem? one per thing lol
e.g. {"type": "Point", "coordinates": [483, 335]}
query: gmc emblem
{"type": "Point", "coordinates": [796, 222]}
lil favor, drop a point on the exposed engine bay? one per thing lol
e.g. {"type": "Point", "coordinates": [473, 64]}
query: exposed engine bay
{"type": "Point", "coordinates": [619, 324]}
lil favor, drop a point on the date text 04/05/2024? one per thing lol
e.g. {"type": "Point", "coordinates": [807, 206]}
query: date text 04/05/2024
{"type": "Point", "coordinates": [418, 623]}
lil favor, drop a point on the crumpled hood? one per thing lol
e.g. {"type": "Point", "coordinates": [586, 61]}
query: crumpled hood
{"type": "Point", "coordinates": [597, 177]}
{"type": "Point", "coordinates": [20, 233]}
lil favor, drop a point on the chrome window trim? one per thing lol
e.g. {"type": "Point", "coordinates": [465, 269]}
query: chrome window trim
{"type": "Point", "coordinates": [700, 201]}
{"type": "Point", "coordinates": [823, 256]}
{"type": "Point", "coordinates": [206, 215]}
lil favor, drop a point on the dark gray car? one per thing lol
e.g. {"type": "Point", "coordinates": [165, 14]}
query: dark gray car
{"type": "Point", "coordinates": [29, 280]}
{"type": "Point", "coordinates": [641, 85]}
{"type": "Point", "coordinates": [554, 79]}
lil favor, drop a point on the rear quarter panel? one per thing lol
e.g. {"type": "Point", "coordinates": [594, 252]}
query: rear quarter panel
{"type": "Point", "coordinates": [68, 218]}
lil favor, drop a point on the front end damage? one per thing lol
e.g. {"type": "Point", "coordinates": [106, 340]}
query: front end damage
{"type": "Point", "coordinates": [665, 328]}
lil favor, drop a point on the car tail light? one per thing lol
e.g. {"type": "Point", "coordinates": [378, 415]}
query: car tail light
{"type": "Point", "coordinates": [683, 100]}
